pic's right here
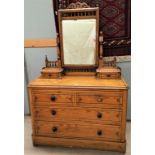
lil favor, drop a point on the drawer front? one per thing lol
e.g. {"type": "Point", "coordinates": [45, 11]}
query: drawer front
{"type": "Point", "coordinates": [70, 130]}
{"type": "Point", "coordinates": [109, 75]}
{"type": "Point", "coordinates": [82, 114]}
{"type": "Point", "coordinates": [52, 99]}
{"type": "Point", "coordinates": [107, 100]}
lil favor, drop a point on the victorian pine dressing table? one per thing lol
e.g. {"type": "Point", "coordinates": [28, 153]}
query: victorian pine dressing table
{"type": "Point", "coordinates": [75, 104]}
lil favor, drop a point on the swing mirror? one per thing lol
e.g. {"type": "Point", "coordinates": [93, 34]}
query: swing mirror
{"type": "Point", "coordinates": [79, 30]}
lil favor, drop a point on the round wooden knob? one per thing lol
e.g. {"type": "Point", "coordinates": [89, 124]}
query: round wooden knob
{"type": "Point", "coordinates": [108, 75]}
{"type": "Point", "coordinates": [99, 132]}
{"type": "Point", "coordinates": [54, 129]}
{"type": "Point", "coordinates": [53, 112]}
{"type": "Point", "coordinates": [53, 98]}
{"type": "Point", "coordinates": [99, 115]}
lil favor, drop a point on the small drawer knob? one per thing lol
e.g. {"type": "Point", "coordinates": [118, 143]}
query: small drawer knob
{"type": "Point", "coordinates": [53, 112]}
{"type": "Point", "coordinates": [53, 98]}
{"type": "Point", "coordinates": [108, 75]}
{"type": "Point", "coordinates": [99, 132]}
{"type": "Point", "coordinates": [99, 115]}
{"type": "Point", "coordinates": [54, 129]}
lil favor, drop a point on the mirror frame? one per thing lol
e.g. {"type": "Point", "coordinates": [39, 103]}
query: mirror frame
{"type": "Point", "coordinates": [75, 14]}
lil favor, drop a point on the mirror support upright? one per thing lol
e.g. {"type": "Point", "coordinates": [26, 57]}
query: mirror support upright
{"type": "Point", "coordinates": [101, 50]}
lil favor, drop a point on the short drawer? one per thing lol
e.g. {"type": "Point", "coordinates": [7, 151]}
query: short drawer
{"type": "Point", "coordinates": [52, 99]}
{"type": "Point", "coordinates": [74, 130]}
{"type": "Point", "coordinates": [109, 75]}
{"type": "Point", "coordinates": [97, 115]}
{"type": "Point", "coordinates": [106, 100]}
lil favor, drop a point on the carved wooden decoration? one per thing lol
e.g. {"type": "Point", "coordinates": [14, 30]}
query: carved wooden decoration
{"type": "Point", "coordinates": [78, 5]}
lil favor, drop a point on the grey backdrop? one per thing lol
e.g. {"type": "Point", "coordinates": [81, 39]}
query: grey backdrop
{"type": "Point", "coordinates": [39, 24]}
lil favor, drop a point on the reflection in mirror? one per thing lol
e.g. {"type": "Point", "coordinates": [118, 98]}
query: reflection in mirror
{"type": "Point", "coordinates": [79, 41]}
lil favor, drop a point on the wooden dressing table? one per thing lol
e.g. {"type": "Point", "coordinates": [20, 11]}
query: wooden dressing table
{"type": "Point", "coordinates": [79, 105]}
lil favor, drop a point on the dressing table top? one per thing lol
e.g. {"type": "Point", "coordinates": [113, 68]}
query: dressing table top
{"type": "Point", "coordinates": [80, 81]}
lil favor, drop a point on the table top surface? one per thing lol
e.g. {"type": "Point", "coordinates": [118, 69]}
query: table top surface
{"type": "Point", "coordinates": [79, 81]}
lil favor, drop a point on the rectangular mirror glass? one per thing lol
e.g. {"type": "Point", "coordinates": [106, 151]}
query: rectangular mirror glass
{"type": "Point", "coordinates": [79, 41]}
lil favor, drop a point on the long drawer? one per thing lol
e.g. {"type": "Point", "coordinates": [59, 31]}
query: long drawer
{"type": "Point", "coordinates": [104, 99]}
{"type": "Point", "coordinates": [75, 130]}
{"type": "Point", "coordinates": [97, 115]}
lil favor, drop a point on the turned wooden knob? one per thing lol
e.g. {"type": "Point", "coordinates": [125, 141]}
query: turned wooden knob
{"type": "Point", "coordinates": [99, 132]}
{"type": "Point", "coordinates": [53, 112]}
{"type": "Point", "coordinates": [54, 129]}
{"type": "Point", "coordinates": [99, 115]}
{"type": "Point", "coordinates": [108, 75]}
{"type": "Point", "coordinates": [53, 98]}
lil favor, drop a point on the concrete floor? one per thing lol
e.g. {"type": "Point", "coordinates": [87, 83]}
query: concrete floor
{"type": "Point", "coordinates": [46, 150]}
